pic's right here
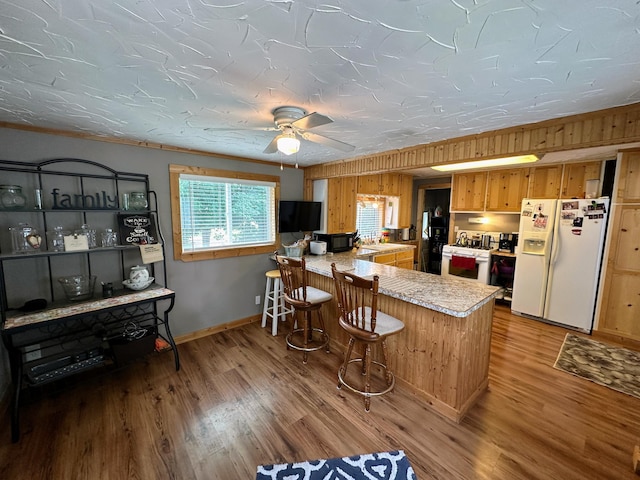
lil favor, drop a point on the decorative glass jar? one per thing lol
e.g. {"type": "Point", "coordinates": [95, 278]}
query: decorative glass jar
{"type": "Point", "coordinates": [11, 197]}
{"type": "Point", "coordinates": [138, 201]}
{"type": "Point", "coordinates": [56, 239]}
{"type": "Point", "coordinates": [25, 239]}
{"type": "Point", "coordinates": [89, 232]}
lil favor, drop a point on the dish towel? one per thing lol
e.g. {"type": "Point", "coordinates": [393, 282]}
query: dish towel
{"type": "Point", "coordinates": [466, 263]}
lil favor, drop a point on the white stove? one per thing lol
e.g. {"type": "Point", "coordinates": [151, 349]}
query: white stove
{"type": "Point", "coordinates": [467, 263]}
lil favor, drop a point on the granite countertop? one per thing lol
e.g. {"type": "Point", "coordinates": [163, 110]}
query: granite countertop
{"type": "Point", "coordinates": [367, 250]}
{"type": "Point", "coordinates": [452, 296]}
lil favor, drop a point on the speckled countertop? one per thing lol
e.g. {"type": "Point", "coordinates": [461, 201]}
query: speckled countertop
{"type": "Point", "coordinates": [447, 295]}
{"type": "Point", "coordinates": [367, 250]}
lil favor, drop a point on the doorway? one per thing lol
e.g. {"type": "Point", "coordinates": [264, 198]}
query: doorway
{"type": "Point", "coordinates": [433, 224]}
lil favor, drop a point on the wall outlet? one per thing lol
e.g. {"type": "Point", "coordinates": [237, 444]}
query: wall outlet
{"type": "Point", "coordinates": [257, 299]}
{"type": "Point", "coordinates": [455, 229]}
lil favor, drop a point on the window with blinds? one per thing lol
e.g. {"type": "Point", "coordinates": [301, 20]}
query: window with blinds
{"type": "Point", "coordinates": [369, 218]}
{"type": "Point", "coordinates": [220, 212]}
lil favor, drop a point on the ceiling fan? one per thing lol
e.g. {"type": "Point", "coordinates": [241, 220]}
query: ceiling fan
{"type": "Point", "coordinates": [294, 122]}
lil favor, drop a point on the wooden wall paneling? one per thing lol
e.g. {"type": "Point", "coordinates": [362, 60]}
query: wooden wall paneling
{"type": "Point", "coordinates": [442, 358]}
{"type": "Point", "coordinates": [612, 126]}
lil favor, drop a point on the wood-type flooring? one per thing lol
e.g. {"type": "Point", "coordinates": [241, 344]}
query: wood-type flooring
{"type": "Point", "coordinates": [241, 399]}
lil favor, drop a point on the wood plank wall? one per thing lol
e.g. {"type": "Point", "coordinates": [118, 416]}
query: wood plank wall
{"type": "Point", "coordinates": [594, 129]}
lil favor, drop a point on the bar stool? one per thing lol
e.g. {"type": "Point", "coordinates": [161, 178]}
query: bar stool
{"type": "Point", "coordinates": [274, 305]}
{"type": "Point", "coordinates": [304, 300]}
{"type": "Point", "coordinates": [359, 316]}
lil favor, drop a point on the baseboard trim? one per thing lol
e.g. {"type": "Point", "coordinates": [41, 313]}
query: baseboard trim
{"type": "Point", "coordinates": [216, 329]}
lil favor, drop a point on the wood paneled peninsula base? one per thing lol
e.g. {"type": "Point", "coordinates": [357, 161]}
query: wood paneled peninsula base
{"type": "Point", "coordinates": [443, 353]}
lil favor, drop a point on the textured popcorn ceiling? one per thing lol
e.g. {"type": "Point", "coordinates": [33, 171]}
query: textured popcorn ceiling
{"type": "Point", "coordinates": [206, 74]}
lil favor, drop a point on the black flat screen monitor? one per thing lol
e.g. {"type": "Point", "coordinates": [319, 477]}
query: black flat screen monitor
{"type": "Point", "coordinates": [299, 216]}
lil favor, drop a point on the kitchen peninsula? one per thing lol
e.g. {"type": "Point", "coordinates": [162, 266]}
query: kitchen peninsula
{"type": "Point", "coordinates": [443, 352]}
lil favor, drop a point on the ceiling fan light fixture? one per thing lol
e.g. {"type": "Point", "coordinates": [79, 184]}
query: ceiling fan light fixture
{"type": "Point", "coordinates": [494, 162]}
{"type": "Point", "coordinates": [288, 144]}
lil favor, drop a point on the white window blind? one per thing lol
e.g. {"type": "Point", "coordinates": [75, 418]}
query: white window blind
{"type": "Point", "coordinates": [218, 212]}
{"type": "Point", "coordinates": [369, 218]}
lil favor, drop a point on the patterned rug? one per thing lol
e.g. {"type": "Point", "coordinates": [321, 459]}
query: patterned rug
{"type": "Point", "coordinates": [613, 367]}
{"type": "Point", "coordinates": [372, 466]}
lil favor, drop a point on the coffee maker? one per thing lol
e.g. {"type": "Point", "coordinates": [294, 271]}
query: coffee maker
{"type": "Point", "coordinates": [508, 242]}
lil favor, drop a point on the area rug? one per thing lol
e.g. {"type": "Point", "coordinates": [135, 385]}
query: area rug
{"type": "Point", "coordinates": [613, 367]}
{"type": "Point", "coordinates": [371, 466]}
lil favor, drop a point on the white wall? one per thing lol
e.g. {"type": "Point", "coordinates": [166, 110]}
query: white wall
{"type": "Point", "coordinates": [208, 293]}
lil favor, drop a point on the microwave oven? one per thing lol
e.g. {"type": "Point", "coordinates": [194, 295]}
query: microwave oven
{"type": "Point", "coordinates": [336, 242]}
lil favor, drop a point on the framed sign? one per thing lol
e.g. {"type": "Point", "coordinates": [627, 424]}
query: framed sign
{"type": "Point", "coordinates": [137, 229]}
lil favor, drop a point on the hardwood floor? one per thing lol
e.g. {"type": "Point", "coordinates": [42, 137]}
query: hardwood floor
{"type": "Point", "coordinates": [241, 399]}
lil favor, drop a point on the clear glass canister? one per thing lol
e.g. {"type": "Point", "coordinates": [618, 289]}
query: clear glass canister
{"type": "Point", "coordinates": [89, 232]}
{"type": "Point", "coordinates": [109, 238]}
{"type": "Point", "coordinates": [56, 239]}
{"type": "Point", "coordinates": [138, 201]}
{"type": "Point", "coordinates": [25, 239]}
{"type": "Point", "coordinates": [11, 197]}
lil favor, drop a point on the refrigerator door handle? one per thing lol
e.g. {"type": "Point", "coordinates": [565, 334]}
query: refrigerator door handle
{"type": "Point", "coordinates": [555, 242]}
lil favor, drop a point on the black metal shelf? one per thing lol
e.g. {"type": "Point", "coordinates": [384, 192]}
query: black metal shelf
{"type": "Point", "coordinates": [66, 338]}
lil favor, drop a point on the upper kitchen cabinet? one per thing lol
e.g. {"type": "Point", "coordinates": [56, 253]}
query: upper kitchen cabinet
{"type": "Point", "coordinates": [341, 204]}
{"type": "Point", "coordinates": [629, 184]}
{"type": "Point", "coordinates": [576, 177]}
{"type": "Point", "coordinates": [468, 191]}
{"type": "Point", "coordinates": [506, 189]}
{"type": "Point", "coordinates": [544, 182]}
{"type": "Point", "coordinates": [379, 184]}
{"type": "Point", "coordinates": [405, 191]}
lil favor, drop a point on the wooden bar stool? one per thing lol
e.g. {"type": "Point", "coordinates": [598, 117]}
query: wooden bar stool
{"type": "Point", "coordinates": [305, 300]}
{"type": "Point", "coordinates": [274, 304]}
{"type": "Point", "coordinates": [359, 316]}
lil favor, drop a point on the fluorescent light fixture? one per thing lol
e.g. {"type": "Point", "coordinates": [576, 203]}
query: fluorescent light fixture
{"type": "Point", "coordinates": [288, 144]}
{"type": "Point", "coordinates": [494, 162]}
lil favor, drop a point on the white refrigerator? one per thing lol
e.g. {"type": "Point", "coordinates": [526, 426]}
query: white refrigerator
{"type": "Point", "coordinates": [558, 259]}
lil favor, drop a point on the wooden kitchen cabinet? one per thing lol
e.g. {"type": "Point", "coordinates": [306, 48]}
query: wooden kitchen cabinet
{"type": "Point", "coordinates": [341, 204]}
{"type": "Point", "coordinates": [405, 192]}
{"type": "Point", "coordinates": [576, 176]}
{"type": "Point", "coordinates": [468, 191]}
{"type": "Point", "coordinates": [629, 184]}
{"type": "Point", "coordinates": [620, 308]}
{"type": "Point", "coordinates": [403, 259]}
{"type": "Point", "coordinates": [506, 189]}
{"type": "Point", "coordinates": [545, 182]}
{"type": "Point", "coordinates": [379, 184]}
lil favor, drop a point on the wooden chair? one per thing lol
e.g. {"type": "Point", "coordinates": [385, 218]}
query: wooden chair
{"type": "Point", "coordinates": [359, 316]}
{"type": "Point", "coordinates": [305, 300]}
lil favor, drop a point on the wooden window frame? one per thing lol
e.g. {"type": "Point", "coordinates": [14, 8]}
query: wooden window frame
{"type": "Point", "coordinates": [174, 184]}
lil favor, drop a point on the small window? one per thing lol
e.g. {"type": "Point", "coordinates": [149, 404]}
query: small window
{"type": "Point", "coordinates": [221, 213]}
{"type": "Point", "coordinates": [369, 216]}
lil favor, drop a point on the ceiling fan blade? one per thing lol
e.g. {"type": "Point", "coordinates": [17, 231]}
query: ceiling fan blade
{"type": "Point", "coordinates": [310, 121]}
{"type": "Point", "coordinates": [273, 146]}
{"type": "Point", "coordinates": [329, 142]}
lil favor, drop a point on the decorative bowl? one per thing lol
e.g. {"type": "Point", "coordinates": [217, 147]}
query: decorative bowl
{"type": "Point", "coordinates": [78, 287]}
{"type": "Point", "coordinates": [138, 285]}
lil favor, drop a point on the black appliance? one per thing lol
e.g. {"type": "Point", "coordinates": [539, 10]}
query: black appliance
{"type": "Point", "coordinates": [508, 242]}
{"type": "Point", "coordinates": [336, 242]}
{"type": "Point", "coordinates": [437, 233]}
